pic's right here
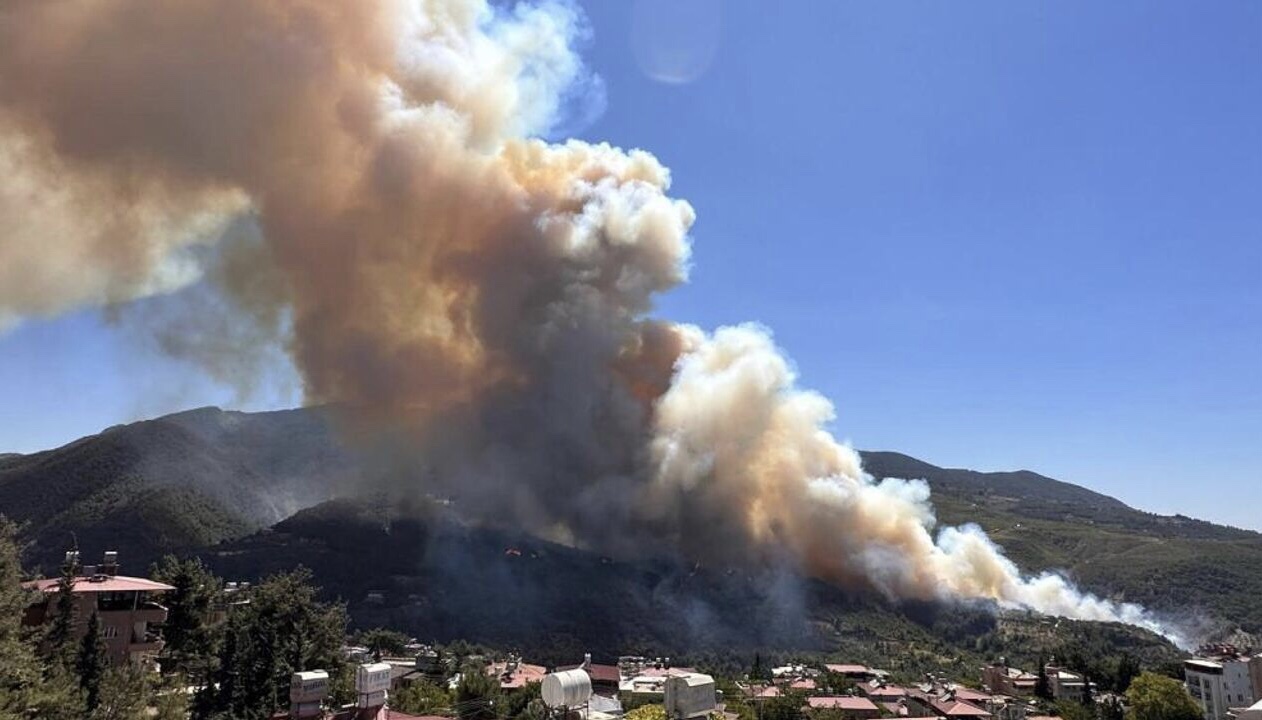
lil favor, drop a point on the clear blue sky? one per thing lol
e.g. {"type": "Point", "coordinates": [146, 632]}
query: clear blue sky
{"type": "Point", "coordinates": [998, 235]}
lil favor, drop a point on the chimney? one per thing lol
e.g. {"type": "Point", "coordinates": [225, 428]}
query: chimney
{"type": "Point", "coordinates": [109, 566]}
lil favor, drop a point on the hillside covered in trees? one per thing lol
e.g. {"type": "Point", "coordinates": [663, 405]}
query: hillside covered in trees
{"type": "Point", "coordinates": [245, 491]}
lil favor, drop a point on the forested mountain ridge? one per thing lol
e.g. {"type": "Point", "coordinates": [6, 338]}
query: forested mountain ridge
{"type": "Point", "coordinates": [189, 481]}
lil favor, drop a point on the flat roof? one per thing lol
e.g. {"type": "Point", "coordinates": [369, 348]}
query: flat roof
{"type": "Point", "coordinates": [846, 669]}
{"type": "Point", "coordinates": [1209, 665]}
{"type": "Point", "coordinates": [110, 583]}
{"type": "Point", "coordinates": [841, 702]}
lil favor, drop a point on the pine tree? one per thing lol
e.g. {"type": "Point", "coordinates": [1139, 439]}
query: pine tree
{"type": "Point", "coordinates": [284, 629]}
{"type": "Point", "coordinates": [19, 672]}
{"type": "Point", "coordinates": [27, 688]}
{"type": "Point", "coordinates": [1042, 688]}
{"type": "Point", "coordinates": [60, 639]}
{"type": "Point", "coordinates": [476, 693]}
{"type": "Point", "coordinates": [191, 638]}
{"type": "Point", "coordinates": [92, 663]}
{"type": "Point", "coordinates": [1127, 670]}
{"type": "Point", "coordinates": [125, 694]}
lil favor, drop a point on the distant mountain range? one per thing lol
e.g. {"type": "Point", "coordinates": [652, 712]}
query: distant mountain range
{"type": "Point", "coordinates": [254, 493]}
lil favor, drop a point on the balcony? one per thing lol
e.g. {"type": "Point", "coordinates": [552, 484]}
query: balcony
{"type": "Point", "coordinates": [150, 612]}
{"type": "Point", "coordinates": [147, 641]}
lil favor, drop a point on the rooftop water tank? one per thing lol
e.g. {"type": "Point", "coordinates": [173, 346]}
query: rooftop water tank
{"type": "Point", "coordinates": [689, 696]}
{"type": "Point", "coordinates": [568, 688]}
{"type": "Point", "coordinates": [309, 687]}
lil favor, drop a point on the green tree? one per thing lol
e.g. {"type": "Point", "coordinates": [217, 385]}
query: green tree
{"type": "Point", "coordinates": [1074, 711]}
{"type": "Point", "coordinates": [92, 663]}
{"type": "Point", "coordinates": [1156, 697]}
{"type": "Point", "coordinates": [758, 671]}
{"type": "Point", "coordinates": [59, 640]}
{"type": "Point", "coordinates": [516, 704]}
{"type": "Point", "coordinates": [382, 642]}
{"type": "Point", "coordinates": [28, 688]}
{"type": "Point", "coordinates": [476, 693]}
{"type": "Point", "coordinates": [1042, 688]}
{"type": "Point", "coordinates": [192, 639]}
{"type": "Point", "coordinates": [20, 672]}
{"type": "Point", "coordinates": [170, 701]}
{"type": "Point", "coordinates": [1127, 670]}
{"type": "Point", "coordinates": [125, 694]}
{"type": "Point", "coordinates": [647, 712]}
{"type": "Point", "coordinates": [282, 630]}
{"type": "Point", "coordinates": [787, 706]}
{"type": "Point", "coordinates": [1110, 708]}
{"type": "Point", "coordinates": [421, 698]}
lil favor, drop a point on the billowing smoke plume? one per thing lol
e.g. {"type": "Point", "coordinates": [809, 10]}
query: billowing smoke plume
{"type": "Point", "coordinates": [445, 277]}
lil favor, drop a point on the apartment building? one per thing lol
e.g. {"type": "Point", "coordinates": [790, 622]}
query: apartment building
{"type": "Point", "coordinates": [1222, 683]}
{"type": "Point", "coordinates": [126, 607]}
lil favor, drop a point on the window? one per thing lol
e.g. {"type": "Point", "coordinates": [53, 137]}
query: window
{"type": "Point", "coordinates": [109, 632]}
{"type": "Point", "coordinates": [110, 601]}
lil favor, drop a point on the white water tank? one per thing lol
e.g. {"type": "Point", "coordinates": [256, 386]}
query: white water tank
{"type": "Point", "coordinates": [568, 688]}
{"type": "Point", "coordinates": [372, 677]}
{"type": "Point", "coordinates": [689, 696]}
{"type": "Point", "coordinates": [309, 687]}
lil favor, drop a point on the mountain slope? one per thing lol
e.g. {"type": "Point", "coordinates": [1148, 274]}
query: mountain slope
{"type": "Point", "coordinates": [196, 478]}
{"type": "Point", "coordinates": [180, 481]}
{"type": "Point", "coordinates": [424, 571]}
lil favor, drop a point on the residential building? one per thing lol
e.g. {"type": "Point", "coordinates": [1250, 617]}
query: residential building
{"type": "Point", "coordinates": [1063, 684]}
{"type": "Point", "coordinates": [514, 674]}
{"type": "Point", "coordinates": [126, 608]}
{"type": "Point", "coordinates": [605, 678]}
{"type": "Point", "coordinates": [1253, 712]}
{"type": "Point", "coordinates": [881, 692]}
{"type": "Point", "coordinates": [1003, 680]}
{"type": "Point", "coordinates": [941, 701]}
{"type": "Point", "coordinates": [1223, 682]}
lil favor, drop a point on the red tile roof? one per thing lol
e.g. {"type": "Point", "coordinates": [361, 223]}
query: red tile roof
{"type": "Point", "coordinates": [970, 695]}
{"type": "Point", "coordinates": [841, 702]}
{"type": "Point", "coordinates": [110, 583]}
{"type": "Point", "coordinates": [524, 673]}
{"type": "Point", "coordinates": [768, 692]}
{"type": "Point", "coordinates": [803, 684]}
{"type": "Point", "coordinates": [597, 672]}
{"type": "Point", "coordinates": [884, 691]}
{"type": "Point", "coordinates": [961, 709]}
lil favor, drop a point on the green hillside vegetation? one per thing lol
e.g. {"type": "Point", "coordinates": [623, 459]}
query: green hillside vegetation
{"type": "Point", "coordinates": [178, 482]}
{"type": "Point", "coordinates": [213, 482]}
{"type": "Point", "coordinates": [439, 579]}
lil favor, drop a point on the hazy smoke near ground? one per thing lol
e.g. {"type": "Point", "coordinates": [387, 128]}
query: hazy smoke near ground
{"type": "Point", "coordinates": [443, 276]}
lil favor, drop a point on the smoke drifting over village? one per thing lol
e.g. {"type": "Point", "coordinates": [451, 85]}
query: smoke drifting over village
{"type": "Point", "coordinates": [443, 276]}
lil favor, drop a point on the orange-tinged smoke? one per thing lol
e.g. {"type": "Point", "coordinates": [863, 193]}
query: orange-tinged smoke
{"type": "Point", "coordinates": [445, 276]}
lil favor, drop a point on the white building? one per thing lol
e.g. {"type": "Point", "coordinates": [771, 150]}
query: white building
{"type": "Point", "coordinates": [1221, 684]}
{"type": "Point", "coordinates": [1253, 712]}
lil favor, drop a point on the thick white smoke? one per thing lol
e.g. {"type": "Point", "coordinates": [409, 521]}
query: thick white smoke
{"type": "Point", "coordinates": [448, 278]}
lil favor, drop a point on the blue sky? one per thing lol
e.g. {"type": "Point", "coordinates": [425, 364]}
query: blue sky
{"type": "Point", "coordinates": [997, 235]}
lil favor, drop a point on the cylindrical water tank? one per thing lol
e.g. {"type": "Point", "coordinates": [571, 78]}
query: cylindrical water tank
{"type": "Point", "coordinates": [568, 688]}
